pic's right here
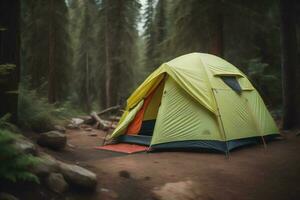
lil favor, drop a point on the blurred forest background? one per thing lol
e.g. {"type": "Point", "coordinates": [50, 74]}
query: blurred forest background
{"type": "Point", "coordinates": [84, 55]}
{"type": "Point", "coordinates": [90, 54]}
{"type": "Point", "coordinates": [62, 58]}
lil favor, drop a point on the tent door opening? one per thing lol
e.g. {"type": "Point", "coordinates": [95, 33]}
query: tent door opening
{"type": "Point", "coordinates": [140, 130]}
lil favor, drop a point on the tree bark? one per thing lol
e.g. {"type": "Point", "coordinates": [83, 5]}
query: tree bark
{"type": "Point", "coordinates": [290, 78]}
{"type": "Point", "coordinates": [10, 54]}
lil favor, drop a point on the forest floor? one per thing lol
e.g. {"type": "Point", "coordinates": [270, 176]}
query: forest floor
{"type": "Point", "coordinates": [249, 173]}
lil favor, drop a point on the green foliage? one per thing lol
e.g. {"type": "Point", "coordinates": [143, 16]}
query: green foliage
{"type": "Point", "coordinates": [266, 83]}
{"type": "Point", "coordinates": [5, 124]}
{"type": "Point", "coordinates": [37, 114]}
{"type": "Point", "coordinates": [14, 164]}
{"type": "Point", "coordinates": [5, 69]}
{"type": "Point", "coordinates": [256, 71]}
{"type": "Point", "coordinates": [66, 110]}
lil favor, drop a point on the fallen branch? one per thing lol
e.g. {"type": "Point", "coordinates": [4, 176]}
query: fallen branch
{"type": "Point", "coordinates": [114, 118]}
{"type": "Point", "coordinates": [117, 107]}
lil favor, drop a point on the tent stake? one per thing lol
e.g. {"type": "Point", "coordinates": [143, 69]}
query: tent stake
{"type": "Point", "coordinates": [264, 142]}
{"type": "Point", "coordinates": [106, 132]}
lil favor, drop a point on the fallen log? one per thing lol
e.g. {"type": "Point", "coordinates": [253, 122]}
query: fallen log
{"type": "Point", "coordinates": [102, 124]}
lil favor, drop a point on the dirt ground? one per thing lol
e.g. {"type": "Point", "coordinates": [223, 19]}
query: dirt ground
{"type": "Point", "coordinates": [251, 173]}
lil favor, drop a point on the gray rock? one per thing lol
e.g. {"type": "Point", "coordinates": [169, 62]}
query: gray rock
{"type": "Point", "coordinates": [24, 145]}
{"type": "Point", "coordinates": [52, 139]}
{"type": "Point", "coordinates": [57, 183]}
{"type": "Point", "coordinates": [60, 128]}
{"type": "Point", "coordinates": [47, 165]}
{"type": "Point", "coordinates": [6, 196]}
{"type": "Point", "coordinates": [72, 126]}
{"type": "Point", "coordinates": [77, 121]}
{"type": "Point", "coordinates": [88, 119]}
{"type": "Point", "coordinates": [78, 176]}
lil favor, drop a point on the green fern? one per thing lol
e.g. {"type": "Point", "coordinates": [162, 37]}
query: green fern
{"type": "Point", "coordinates": [35, 112]}
{"type": "Point", "coordinates": [5, 124]}
{"type": "Point", "coordinates": [14, 165]}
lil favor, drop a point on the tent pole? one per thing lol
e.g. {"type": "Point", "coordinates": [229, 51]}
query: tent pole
{"type": "Point", "coordinates": [227, 149]}
{"type": "Point", "coordinates": [221, 123]}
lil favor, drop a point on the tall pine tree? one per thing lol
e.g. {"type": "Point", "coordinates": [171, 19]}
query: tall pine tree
{"type": "Point", "coordinates": [290, 71]}
{"type": "Point", "coordinates": [117, 40]}
{"type": "Point", "coordinates": [155, 32]}
{"type": "Point", "coordinates": [85, 59]}
{"type": "Point", "coordinates": [47, 47]}
{"type": "Point", "coordinates": [149, 34]}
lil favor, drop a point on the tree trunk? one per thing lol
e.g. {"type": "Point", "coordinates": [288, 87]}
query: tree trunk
{"type": "Point", "coordinates": [51, 78]}
{"type": "Point", "coordinates": [9, 54]}
{"type": "Point", "coordinates": [217, 47]}
{"type": "Point", "coordinates": [87, 84]}
{"type": "Point", "coordinates": [108, 74]}
{"type": "Point", "coordinates": [290, 81]}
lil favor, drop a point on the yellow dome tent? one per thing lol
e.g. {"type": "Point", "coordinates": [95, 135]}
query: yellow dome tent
{"type": "Point", "coordinates": [195, 101]}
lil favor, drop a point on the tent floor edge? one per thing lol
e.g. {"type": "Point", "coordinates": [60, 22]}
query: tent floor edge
{"type": "Point", "coordinates": [211, 145]}
{"type": "Point", "coordinates": [135, 139]}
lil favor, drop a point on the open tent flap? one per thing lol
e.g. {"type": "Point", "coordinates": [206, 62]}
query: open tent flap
{"type": "Point", "coordinates": [129, 117]}
{"type": "Point", "coordinates": [144, 121]}
{"type": "Point", "coordinates": [135, 125]}
{"type": "Point", "coordinates": [141, 118]}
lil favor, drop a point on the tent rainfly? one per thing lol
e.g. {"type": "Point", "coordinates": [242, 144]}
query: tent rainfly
{"type": "Point", "coordinates": [195, 101]}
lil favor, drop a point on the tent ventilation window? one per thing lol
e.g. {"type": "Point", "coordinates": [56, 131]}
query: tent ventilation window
{"type": "Point", "coordinates": [233, 83]}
